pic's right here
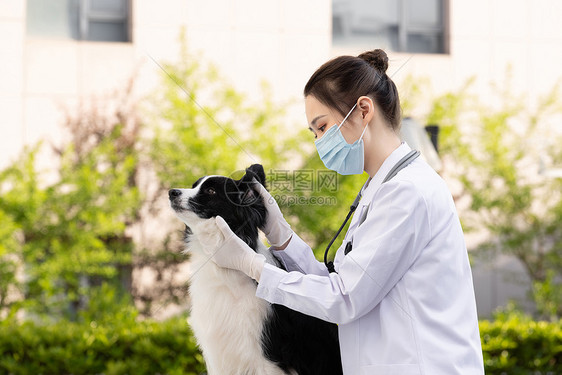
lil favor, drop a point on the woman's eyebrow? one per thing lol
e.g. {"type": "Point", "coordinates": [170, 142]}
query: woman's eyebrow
{"type": "Point", "coordinates": [313, 122]}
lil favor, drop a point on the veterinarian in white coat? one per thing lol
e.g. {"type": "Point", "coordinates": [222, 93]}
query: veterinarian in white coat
{"type": "Point", "coordinates": [403, 297]}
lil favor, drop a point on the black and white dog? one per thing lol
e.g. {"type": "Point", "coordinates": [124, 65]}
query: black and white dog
{"type": "Point", "coordinates": [239, 333]}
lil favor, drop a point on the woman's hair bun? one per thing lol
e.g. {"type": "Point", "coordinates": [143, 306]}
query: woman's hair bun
{"type": "Point", "coordinates": [377, 58]}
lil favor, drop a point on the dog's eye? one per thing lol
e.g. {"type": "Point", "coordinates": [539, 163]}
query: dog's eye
{"type": "Point", "coordinates": [210, 191]}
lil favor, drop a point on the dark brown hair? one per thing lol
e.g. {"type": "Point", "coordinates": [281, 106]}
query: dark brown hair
{"type": "Point", "coordinates": [341, 81]}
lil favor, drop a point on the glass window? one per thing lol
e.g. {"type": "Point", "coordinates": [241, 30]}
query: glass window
{"type": "Point", "coordinates": [96, 20]}
{"type": "Point", "coordinates": [399, 25]}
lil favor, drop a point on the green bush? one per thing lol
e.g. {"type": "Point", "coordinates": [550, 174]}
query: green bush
{"type": "Point", "coordinates": [144, 347]}
{"type": "Point", "coordinates": [513, 344]}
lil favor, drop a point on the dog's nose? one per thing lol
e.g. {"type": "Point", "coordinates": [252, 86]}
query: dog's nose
{"type": "Point", "coordinates": [174, 193]}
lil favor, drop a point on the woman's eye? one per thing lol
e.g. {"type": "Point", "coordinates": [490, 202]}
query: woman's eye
{"type": "Point", "coordinates": [210, 191]}
{"type": "Point", "coordinates": [321, 128]}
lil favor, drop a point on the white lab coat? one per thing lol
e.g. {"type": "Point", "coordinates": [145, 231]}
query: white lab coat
{"type": "Point", "coordinates": [403, 297]}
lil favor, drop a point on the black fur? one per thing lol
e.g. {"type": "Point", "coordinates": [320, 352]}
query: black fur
{"type": "Point", "coordinates": [291, 339]}
{"type": "Point", "coordinates": [303, 343]}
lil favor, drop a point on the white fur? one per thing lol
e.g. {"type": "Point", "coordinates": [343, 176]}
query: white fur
{"type": "Point", "coordinates": [226, 316]}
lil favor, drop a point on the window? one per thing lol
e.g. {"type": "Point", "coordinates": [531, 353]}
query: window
{"type": "Point", "coordinates": [417, 26]}
{"type": "Point", "coordinates": [95, 20]}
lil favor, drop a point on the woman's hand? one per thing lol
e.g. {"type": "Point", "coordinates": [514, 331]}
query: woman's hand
{"type": "Point", "coordinates": [227, 250]}
{"type": "Point", "coordinates": [277, 231]}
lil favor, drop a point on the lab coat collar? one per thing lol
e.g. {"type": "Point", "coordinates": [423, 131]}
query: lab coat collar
{"type": "Point", "coordinates": [369, 190]}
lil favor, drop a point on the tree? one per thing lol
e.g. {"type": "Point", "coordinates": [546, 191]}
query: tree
{"type": "Point", "coordinates": [496, 152]}
{"type": "Point", "coordinates": [72, 232]}
{"type": "Point", "coordinates": [204, 126]}
{"type": "Point", "coordinates": [9, 285]}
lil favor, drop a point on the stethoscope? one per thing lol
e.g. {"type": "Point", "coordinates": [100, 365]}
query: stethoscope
{"type": "Point", "coordinates": [402, 163]}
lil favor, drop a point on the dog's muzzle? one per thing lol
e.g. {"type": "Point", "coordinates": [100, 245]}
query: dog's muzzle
{"type": "Point", "coordinates": [175, 199]}
{"type": "Point", "coordinates": [174, 193]}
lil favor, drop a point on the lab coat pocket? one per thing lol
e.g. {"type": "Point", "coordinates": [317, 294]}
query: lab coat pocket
{"type": "Point", "coordinates": [390, 370]}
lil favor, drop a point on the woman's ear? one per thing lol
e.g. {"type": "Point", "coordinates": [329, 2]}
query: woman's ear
{"type": "Point", "coordinates": [366, 108]}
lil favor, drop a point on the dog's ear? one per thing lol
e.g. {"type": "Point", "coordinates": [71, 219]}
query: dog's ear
{"type": "Point", "coordinates": [248, 192]}
{"type": "Point", "coordinates": [254, 171]}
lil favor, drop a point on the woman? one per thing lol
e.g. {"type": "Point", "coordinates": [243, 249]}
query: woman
{"type": "Point", "coordinates": [403, 297]}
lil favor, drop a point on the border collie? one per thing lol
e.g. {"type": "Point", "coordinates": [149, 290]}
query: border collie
{"type": "Point", "coordinates": [239, 333]}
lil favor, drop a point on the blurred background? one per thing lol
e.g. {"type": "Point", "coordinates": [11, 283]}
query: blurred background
{"type": "Point", "coordinates": [106, 104]}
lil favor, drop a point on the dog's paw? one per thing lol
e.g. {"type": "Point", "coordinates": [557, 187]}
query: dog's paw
{"type": "Point", "coordinates": [209, 235]}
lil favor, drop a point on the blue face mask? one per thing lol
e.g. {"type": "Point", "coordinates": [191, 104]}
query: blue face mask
{"type": "Point", "coordinates": [337, 154]}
